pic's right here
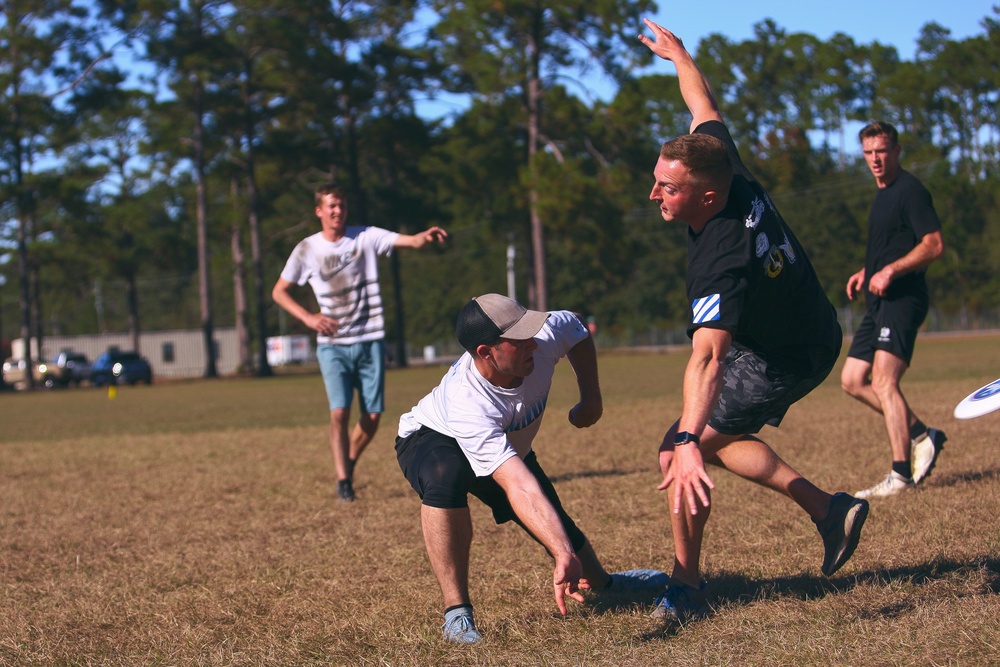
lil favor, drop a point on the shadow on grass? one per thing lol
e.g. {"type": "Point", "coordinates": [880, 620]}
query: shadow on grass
{"type": "Point", "coordinates": [729, 589]}
{"type": "Point", "coordinates": [591, 474]}
{"type": "Point", "coordinates": [964, 477]}
{"type": "Point", "coordinates": [951, 479]}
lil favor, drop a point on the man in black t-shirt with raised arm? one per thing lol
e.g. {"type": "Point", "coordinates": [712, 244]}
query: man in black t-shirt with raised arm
{"type": "Point", "coordinates": [763, 336]}
{"type": "Point", "coordinates": [904, 237]}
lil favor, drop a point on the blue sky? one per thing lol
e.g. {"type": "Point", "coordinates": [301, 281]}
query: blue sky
{"type": "Point", "coordinates": [889, 22]}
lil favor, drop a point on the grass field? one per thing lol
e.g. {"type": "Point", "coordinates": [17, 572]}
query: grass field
{"type": "Point", "coordinates": [196, 524]}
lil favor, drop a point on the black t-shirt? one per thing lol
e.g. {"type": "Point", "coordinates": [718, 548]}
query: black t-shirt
{"type": "Point", "coordinates": [902, 213]}
{"type": "Point", "coordinates": [748, 274]}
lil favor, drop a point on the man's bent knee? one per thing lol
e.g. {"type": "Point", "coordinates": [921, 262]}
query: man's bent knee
{"type": "Point", "coordinates": [369, 421]}
{"type": "Point", "coordinates": [855, 376]}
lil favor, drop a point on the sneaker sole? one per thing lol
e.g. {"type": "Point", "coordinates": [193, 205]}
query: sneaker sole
{"type": "Point", "coordinates": [856, 517]}
{"type": "Point", "coordinates": [937, 452]}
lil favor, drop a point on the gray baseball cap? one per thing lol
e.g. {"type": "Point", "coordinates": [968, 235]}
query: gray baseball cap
{"type": "Point", "coordinates": [492, 316]}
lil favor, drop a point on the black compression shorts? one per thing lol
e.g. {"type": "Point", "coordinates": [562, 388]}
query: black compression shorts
{"type": "Point", "coordinates": [438, 471]}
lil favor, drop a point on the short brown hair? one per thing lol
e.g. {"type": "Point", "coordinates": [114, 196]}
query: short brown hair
{"type": "Point", "coordinates": [877, 128]}
{"type": "Point", "coordinates": [329, 188]}
{"type": "Point", "coordinates": [705, 157]}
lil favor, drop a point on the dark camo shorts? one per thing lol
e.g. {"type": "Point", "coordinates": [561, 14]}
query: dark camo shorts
{"type": "Point", "coordinates": [755, 393]}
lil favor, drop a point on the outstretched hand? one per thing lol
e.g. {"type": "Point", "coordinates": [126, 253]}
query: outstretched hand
{"type": "Point", "coordinates": [664, 43]}
{"type": "Point", "coordinates": [685, 467]}
{"type": "Point", "coordinates": [434, 235]}
{"type": "Point", "coordinates": [567, 581]}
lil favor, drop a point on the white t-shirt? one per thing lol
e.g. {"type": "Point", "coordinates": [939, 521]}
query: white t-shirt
{"type": "Point", "coordinates": [344, 277]}
{"type": "Point", "coordinates": [490, 423]}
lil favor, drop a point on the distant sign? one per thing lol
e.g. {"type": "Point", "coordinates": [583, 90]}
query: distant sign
{"type": "Point", "coordinates": [284, 350]}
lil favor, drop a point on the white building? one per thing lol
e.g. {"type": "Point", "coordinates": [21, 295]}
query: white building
{"type": "Point", "coordinates": [176, 354]}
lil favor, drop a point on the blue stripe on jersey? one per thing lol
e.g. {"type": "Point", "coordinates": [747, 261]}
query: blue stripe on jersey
{"type": "Point", "coordinates": [706, 309]}
{"type": "Point", "coordinates": [530, 414]}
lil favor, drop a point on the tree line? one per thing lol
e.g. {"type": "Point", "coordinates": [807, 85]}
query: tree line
{"type": "Point", "coordinates": [158, 157]}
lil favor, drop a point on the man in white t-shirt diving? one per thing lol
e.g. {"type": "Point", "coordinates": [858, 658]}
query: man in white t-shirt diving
{"type": "Point", "coordinates": [473, 434]}
{"type": "Point", "coordinates": [340, 263]}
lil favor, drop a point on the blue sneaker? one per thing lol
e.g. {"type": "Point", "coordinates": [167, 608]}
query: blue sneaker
{"type": "Point", "coordinates": [681, 602]}
{"type": "Point", "coordinates": [635, 580]}
{"type": "Point", "coordinates": [459, 627]}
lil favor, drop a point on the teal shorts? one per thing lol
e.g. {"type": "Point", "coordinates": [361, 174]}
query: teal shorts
{"type": "Point", "coordinates": [358, 366]}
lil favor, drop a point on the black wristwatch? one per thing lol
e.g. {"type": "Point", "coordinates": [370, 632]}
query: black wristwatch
{"type": "Point", "coordinates": [683, 438]}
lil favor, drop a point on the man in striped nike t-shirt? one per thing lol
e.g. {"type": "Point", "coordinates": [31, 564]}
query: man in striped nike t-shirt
{"type": "Point", "coordinates": [340, 263]}
{"type": "Point", "coordinates": [763, 333]}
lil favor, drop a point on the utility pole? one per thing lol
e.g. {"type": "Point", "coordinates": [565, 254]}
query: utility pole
{"type": "Point", "coordinates": [511, 254]}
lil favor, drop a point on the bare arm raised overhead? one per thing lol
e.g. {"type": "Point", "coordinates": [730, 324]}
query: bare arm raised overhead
{"type": "Point", "coordinates": [694, 86]}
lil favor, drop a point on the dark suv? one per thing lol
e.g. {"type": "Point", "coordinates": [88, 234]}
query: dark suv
{"type": "Point", "coordinates": [120, 368]}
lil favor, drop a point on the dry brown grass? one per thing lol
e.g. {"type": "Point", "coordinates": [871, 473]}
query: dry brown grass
{"type": "Point", "coordinates": [195, 524]}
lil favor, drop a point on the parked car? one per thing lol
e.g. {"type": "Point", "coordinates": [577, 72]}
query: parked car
{"type": "Point", "coordinates": [15, 373]}
{"type": "Point", "coordinates": [68, 368]}
{"type": "Point", "coordinates": [120, 368]}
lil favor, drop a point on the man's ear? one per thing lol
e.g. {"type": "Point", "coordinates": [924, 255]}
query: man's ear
{"type": "Point", "coordinates": [484, 351]}
{"type": "Point", "coordinates": [710, 198]}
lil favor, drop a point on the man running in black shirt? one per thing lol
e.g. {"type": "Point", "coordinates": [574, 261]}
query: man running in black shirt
{"type": "Point", "coordinates": [763, 336]}
{"type": "Point", "coordinates": [904, 237]}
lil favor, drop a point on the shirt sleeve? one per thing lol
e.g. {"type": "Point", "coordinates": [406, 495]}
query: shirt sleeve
{"type": "Point", "coordinates": [560, 333]}
{"type": "Point", "coordinates": [919, 208]}
{"type": "Point", "coordinates": [295, 268]}
{"type": "Point", "coordinates": [382, 240]}
{"type": "Point", "coordinates": [718, 284]}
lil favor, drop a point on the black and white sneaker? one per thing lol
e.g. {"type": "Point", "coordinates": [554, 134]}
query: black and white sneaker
{"type": "Point", "coordinates": [841, 530]}
{"type": "Point", "coordinates": [345, 491]}
{"type": "Point", "coordinates": [924, 453]}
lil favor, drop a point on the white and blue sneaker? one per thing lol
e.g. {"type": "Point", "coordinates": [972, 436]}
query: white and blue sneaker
{"type": "Point", "coordinates": [636, 580]}
{"type": "Point", "coordinates": [681, 602]}
{"type": "Point", "coordinates": [459, 627]}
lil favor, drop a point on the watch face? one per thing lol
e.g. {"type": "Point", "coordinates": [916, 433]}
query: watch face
{"type": "Point", "coordinates": [684, 437]}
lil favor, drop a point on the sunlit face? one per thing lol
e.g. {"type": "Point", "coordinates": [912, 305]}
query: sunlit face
{"type": "Point", "coordinates": [678, 197]}
{"type": "Point", "coordinates": [514, 359]}
{"type": "Point", "coordinates": [332, 213]}
{"type": "Point", "coordinates": [882, 158]}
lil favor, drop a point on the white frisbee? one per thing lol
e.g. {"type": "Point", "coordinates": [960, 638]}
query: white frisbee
{"type": "Point", "coordinates": [979, 402]}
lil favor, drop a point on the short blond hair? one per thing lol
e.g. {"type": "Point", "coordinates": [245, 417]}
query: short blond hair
{"type": "Point", "coordinates": [706, 159]}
